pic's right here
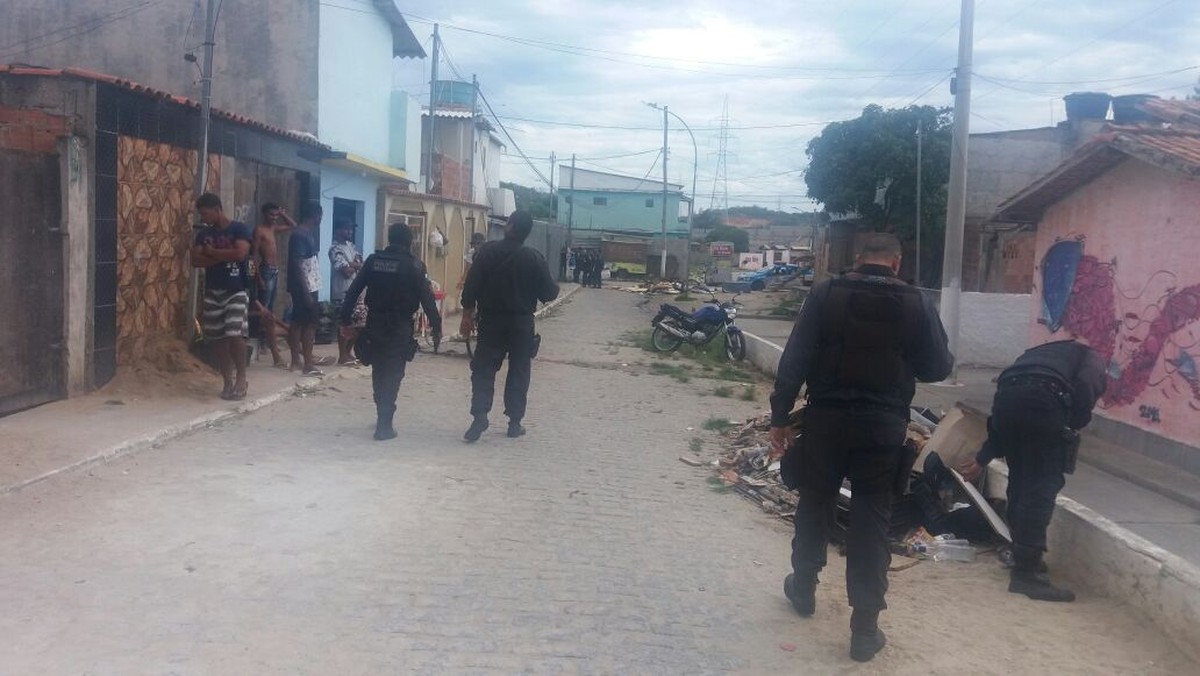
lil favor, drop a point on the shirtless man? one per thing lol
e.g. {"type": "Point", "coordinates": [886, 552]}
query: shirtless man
{"type": "Point", "coordinates": [266, 257]}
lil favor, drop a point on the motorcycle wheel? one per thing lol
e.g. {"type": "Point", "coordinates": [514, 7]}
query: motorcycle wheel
{"type": "Point", "coordinates": [735, 346]}
{"type": "Point", "coordinates": [664, 341]}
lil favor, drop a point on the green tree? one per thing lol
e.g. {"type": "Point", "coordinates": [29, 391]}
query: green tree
{"type": "Point", "coordinates": [728, 233]}
{"type": "Point", "coordinates": [535, 201]}
{"type": "Point", "coordinates": [707, 220]}
{"type": "Point", "coordinates": [867, 166]}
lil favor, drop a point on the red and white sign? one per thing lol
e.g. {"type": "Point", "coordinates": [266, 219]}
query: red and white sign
{"type": "Point", "coordinates": [721, 249]}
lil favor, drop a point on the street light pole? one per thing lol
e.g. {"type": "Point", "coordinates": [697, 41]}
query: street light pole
{"type": "Point", "coordinates": [663, 265]}
{"type": "Point", "coordinates": [201, 181]}
{"type": "Point", "coordinates": [919, 143]}
{"type": "Point", "coordinates": [957, 197]}
{"type": "Point", "coordinates": [687, 252]}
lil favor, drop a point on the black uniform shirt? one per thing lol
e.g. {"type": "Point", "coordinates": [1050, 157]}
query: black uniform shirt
{"type": "Point", "coordinates": [396, 284]}
{"type": "Point", "coordinates": [930, 362]}
{"type": "Point", "coordinates": [508, 278]}
{"type": "Point", "coordinates": [1074, 364]}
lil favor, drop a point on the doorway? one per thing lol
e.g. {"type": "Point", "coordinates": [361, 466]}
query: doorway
{"type": "Point", "coordinates": [353, 211]}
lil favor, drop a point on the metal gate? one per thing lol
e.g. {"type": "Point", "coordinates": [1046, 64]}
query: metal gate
{"type": "Point", "coordinates": [31, 281]}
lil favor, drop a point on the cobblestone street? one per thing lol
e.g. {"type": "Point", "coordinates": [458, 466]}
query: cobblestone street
{"type": "Point", "coordinates": [288, 542]}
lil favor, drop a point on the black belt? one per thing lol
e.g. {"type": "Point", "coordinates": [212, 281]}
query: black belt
{"type": "Point", "coordinates": [1050, 384]}
{"type": "Point", "coordinates": [860, 407]}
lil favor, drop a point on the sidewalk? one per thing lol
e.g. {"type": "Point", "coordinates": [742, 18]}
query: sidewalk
{"type": "Point", "coordinates": [1151, 499]}
{"type": "Point", "coordinates": [131, 414]}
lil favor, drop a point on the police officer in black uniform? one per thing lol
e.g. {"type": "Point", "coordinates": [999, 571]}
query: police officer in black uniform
{"type": "Point", "coordinates": [503, 287]}
{"type": "Point", "coordinates": [1041, 403]}
{"type": "Point", "coordinates": [860, 344]}
{"type": "Point", "coordinates": [397, 286]}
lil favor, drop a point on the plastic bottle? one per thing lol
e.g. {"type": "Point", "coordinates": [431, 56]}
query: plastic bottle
{"type": "Point", "coordinates": [952, 551]}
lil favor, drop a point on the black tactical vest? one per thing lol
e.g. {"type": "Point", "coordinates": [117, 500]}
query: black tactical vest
{"type": "Point", "coordinates": [868, 328]}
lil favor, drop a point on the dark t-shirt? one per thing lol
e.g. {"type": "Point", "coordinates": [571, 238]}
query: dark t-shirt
{"type": "Point", "coordinates": [227, 275]}
{"type": "Point", "coordinates": [300, 247]}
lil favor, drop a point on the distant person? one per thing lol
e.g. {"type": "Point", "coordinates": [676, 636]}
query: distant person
{"type": "Point", "coordinates": [304, 279]}
{"type": "Point", "coordinates": [562, 264]}
{"type": "Point", "coordinates": [477, 240]}
{"type": "Point", "coordinates": [396, 286]}
{"type": "Point", "coordinates": [222, 248]}
{"type": "Point", "coordinates": [265, 254]}
{"type": "Point", "coordinates": [577, 258]}
{"type": "Point", "coordinates": [860, 345]}
{"type": "Point", "coordinates": [598, 269]}
{"type": "Point", "coordinates": [502, 292]}
{"type": "Point", "coordinates": [1041, 403]}
{"type": "Point", "coordinates": [345, 261]}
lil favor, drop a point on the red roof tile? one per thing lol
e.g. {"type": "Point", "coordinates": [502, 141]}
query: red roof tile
{"type": "Point", "coordinates": [82, 74]}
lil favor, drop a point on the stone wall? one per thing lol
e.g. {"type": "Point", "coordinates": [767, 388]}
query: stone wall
{"type": "Point", "coordinates": [154, 207]}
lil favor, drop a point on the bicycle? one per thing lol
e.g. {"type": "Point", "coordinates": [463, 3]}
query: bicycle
{"type": "Point", "coordinates": [424, 332]}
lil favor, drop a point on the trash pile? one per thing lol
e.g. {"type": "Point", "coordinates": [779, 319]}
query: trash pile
{"type": "Point", "coordinates": [937, 518]}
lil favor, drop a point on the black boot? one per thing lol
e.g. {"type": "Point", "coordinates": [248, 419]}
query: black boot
{"type": "Point", "coordinates": [515, 429]}
{"type": "Point", "coordinates": [476, 430]}
{"type": "Point", "coordinates": [866, 638]}
{"type": "Point", "coordinates": [383, 426]}
{"type": "Point", "coordinates": [1028, 577]}
{"type": "Point", "coordinates": [803, 595]}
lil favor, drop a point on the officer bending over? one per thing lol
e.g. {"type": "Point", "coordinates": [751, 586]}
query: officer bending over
{"type": "Point", "coordinates": [860, 344]}
{"type": "Point", "coordinates": [396, 286]}
{"type": "Point", "coordinates": [503, 287]}
{"type": "Point", "coordinates": [1041, 403]}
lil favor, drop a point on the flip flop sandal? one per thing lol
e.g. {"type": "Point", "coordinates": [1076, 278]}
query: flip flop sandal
{"type": "Point", "coordinates": [325, 361]}
{"type": "Point", "coordinates": [315, 373]}
{"type": "Point", "coordinates": [238, 395]}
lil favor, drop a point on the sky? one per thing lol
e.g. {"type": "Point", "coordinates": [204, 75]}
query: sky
{"type": "Point", "coordinates": [573, 76]}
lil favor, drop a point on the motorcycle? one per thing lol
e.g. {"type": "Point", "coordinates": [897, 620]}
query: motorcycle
{"type": "Point", "coordinates": [674, 327]}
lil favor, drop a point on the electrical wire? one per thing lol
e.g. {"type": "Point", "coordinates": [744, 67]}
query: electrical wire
{"type": "Point", "coordinates": [579, 50]}
{"type": "Point", "coordinates": [83, 28]}
{"type": "Point", "coordinates": [517, 146]}
{"type": "Point", "coordinates": [583, 125]}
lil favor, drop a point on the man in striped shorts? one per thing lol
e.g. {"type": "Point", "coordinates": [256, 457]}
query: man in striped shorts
{"type": "Point", "coordinates": [222, 248]}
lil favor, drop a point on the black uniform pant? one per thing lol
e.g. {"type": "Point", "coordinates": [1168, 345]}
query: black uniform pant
{"type": "Point", "coordinates": [867, 447]}
{"type": "Point", "coordinates": [502, 336]}
{"type": "Point", "coordinates": [1027, 425]}
{"type": "Point", "coordinates": [391, 347]}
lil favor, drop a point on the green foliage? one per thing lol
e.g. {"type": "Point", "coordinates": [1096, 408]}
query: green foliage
{"type": "Point", "coordinates": [868, 166]}
{"type": "Point", "coordinates": [534, 201]}
{"type": "Point", "coordinates": [696, 445]}
{"type": "Point", "coordinates": [718, 424]}
{"type": "Point", "coordinates": [727, 233]}
{"type": "Point", "coordinates": [724, 392]}
{"type": "Point", "coordinates": [750, 393]}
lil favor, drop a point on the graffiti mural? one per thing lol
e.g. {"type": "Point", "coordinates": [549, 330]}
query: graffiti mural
{"type": "Point", "coordinates": [1147, 334]}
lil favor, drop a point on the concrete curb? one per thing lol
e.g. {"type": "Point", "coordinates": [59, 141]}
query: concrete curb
{"type": "Point", "coordinates": [1096, 553]}
{"type": "Point", "coordinates": [170, 433]}
{"type": "Point", "coordinates": [549, 307]}
{"type": "Point", "coordinates": [764, 354]}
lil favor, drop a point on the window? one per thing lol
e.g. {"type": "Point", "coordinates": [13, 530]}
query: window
{"type": "Point", "coordinates": [599, 201]}
{"type": "Point", "coordinates": [650, 203]}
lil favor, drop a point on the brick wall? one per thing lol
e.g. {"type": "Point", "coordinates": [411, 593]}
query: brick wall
{"type": "Point", "coordinates": [31, 130]}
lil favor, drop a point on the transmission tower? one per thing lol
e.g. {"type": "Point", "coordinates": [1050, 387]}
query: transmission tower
{"type": "Point", "coordinates": [721, 179]}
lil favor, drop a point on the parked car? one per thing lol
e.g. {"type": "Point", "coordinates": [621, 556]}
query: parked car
{"type": "Point", "coordinates": [758, 280]}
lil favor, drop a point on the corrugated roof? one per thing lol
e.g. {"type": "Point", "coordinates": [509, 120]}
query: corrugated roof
{"type": "Point", "coordinates": [150, 92]}
{"type": "Point", "coordinates": [1172, 149]}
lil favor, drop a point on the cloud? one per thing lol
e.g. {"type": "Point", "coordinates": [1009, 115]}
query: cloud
{"type": "Point", "coordinates": [781, 63]}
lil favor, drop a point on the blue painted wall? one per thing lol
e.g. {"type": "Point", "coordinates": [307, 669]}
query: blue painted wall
{"type": "Point", "coordinates": [621, 211]}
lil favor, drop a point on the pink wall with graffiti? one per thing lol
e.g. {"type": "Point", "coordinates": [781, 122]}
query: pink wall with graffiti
{"type": "Point", "coordinates": [1119, 265]}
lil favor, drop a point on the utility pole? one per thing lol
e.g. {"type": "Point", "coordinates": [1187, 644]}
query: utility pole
{"type": "Point", "coordinates": [433, 78]}
{"type": "Point", "coordinates": [919, 143]}
{"type": "Point", "coordinates": [474, 112]}
{"type": "Point", "coordinates": [663, 264]}
{"type": "Point", "coordinates": [201, 182]}
{"type": "Point", "coordinates": [956, 208]}
{"type": "Point", "coordinates": [553, 202]}
{"type": "Point", "coordinates": [571, 206]}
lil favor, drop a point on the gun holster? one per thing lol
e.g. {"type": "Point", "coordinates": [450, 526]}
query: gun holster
{"type": "Point", "coordinates": [1070, 440]}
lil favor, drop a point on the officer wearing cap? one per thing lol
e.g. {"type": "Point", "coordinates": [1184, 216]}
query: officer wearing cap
{"type": "Point", "coordinates": [396, 285]}
{"type": "Point", "coordinates": [860, 344]}
{"type": "Point", "coordinates": [1041, 403]}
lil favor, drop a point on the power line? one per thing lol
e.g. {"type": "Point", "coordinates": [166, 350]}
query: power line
{"type": "Point", "coordinates": [512, 140]}
{"type": "Point", "coordinates": [583, 125]}
{"type": "Point", "coordinates": [83, 28]}
{"type": "Point", "coordinates": [1143, 76]}
{"type": "Point", "coordinates": [583, 51]}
